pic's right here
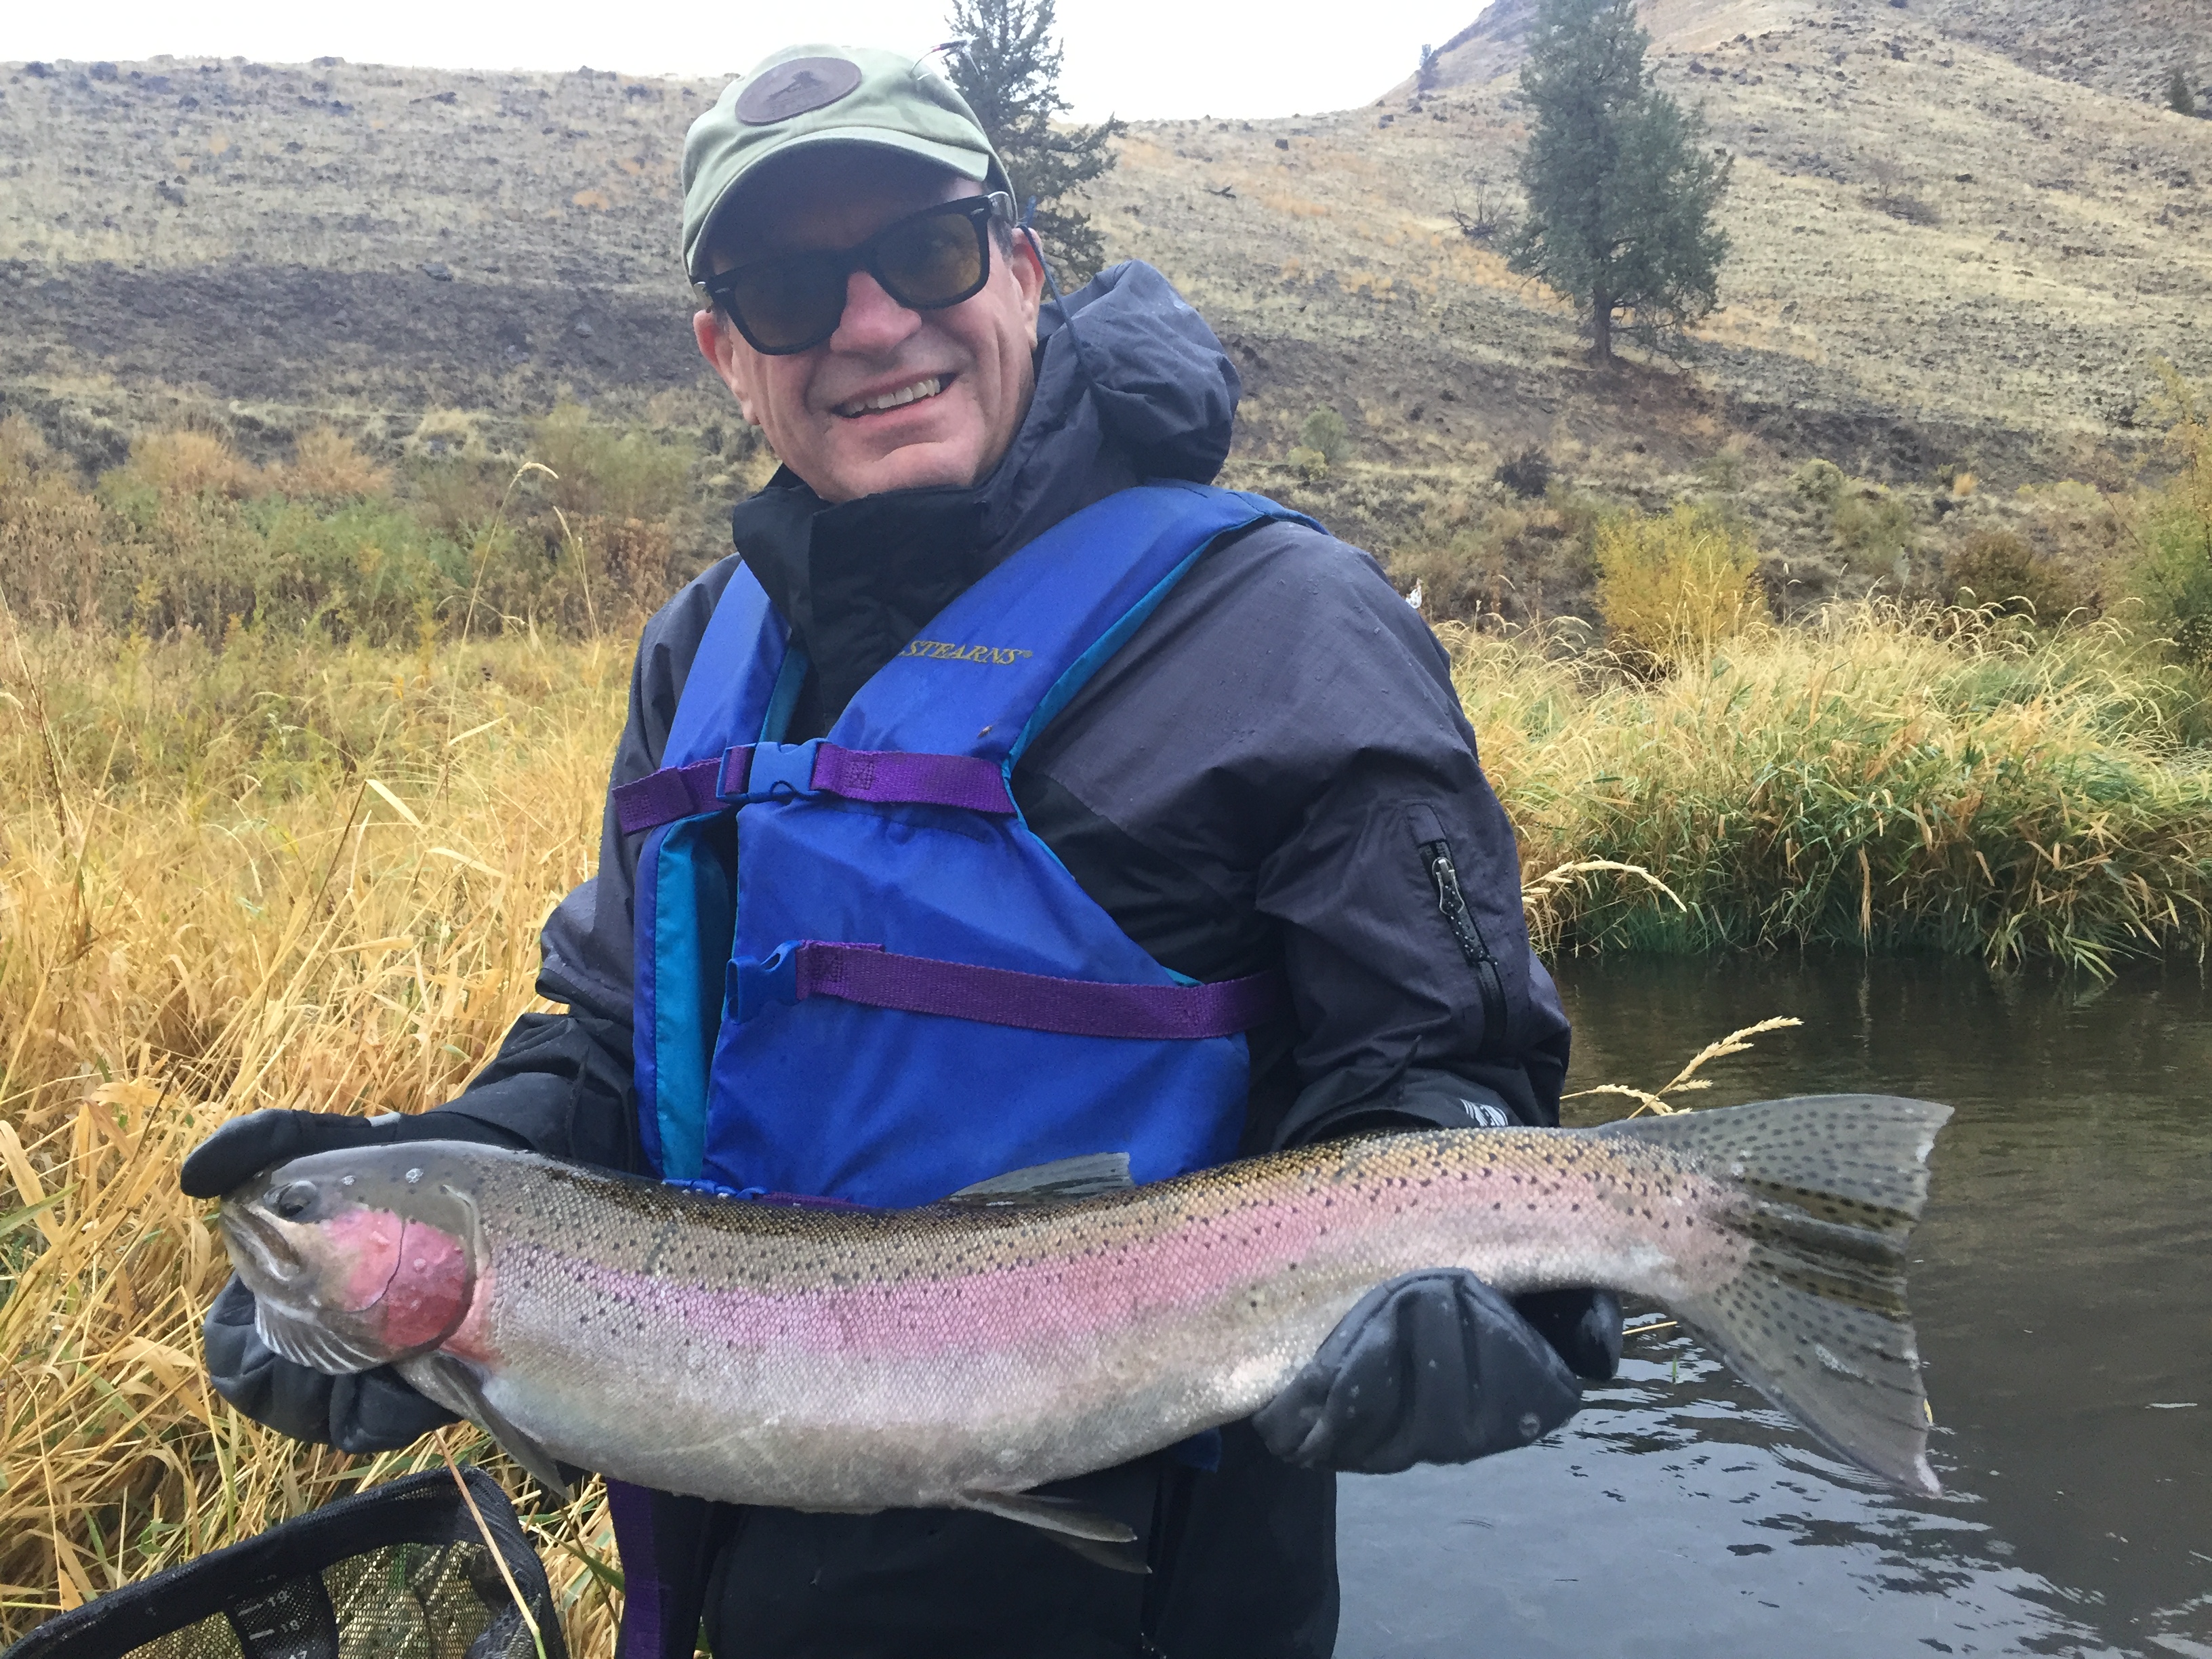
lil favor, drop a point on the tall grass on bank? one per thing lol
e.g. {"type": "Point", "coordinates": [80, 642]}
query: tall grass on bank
{"type": "Point", "coordinates": [288, 873]}
{"type": "Point", "coordinates": [1944, 780]}
{"type": "Point", "coordinates": [270, 876]}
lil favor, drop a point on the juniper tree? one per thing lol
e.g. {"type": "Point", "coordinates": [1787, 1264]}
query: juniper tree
{"type": "Point", "coordinates": [2178, 98]}
{"type": "Point", "coordinates": [1008, 70]}
{"type": "Point", "coordinates": [1620, 187]}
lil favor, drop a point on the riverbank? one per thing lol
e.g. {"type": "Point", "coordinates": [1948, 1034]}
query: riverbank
{"type": "Point", "coordinates": [270, 875]}
{"type": "Point", "coordinates": [1876, 777]}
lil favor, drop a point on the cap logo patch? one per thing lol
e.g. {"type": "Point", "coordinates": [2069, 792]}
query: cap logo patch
{"type": "Point", "coordinates": [793, 89]}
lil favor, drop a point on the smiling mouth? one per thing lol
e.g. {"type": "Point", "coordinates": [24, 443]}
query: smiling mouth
{"type": "Point", "coordinates": [912, 392]}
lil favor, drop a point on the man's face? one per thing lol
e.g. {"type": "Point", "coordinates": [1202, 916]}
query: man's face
{"type": "Point", "coordinates": [817, 407]}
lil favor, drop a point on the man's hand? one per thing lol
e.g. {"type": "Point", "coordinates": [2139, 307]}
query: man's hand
{"type": "Point", "coordinates": [242, 1148]}
{"type": "Point", "coordinates": [1436, 1367]}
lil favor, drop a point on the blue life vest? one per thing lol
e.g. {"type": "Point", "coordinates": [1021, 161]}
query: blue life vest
{"type": "Point", "coordinates": [860, 974]}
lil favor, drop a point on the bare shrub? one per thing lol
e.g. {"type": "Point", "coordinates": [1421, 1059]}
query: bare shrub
{"type": "Point", "coordinates": [1996, 567]}
{"type": "Point", "coordinates": [190, 462]}
{"type": "Point", "coordinates": [328, 464]}
{"type": "Point", "coordinates": [633, 554]}
{"type": "Point", "coordinates": [50, 531]}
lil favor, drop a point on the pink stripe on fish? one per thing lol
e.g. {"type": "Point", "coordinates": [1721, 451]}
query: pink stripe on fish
{"type": "Point", "coordinates": [1006, 1307]}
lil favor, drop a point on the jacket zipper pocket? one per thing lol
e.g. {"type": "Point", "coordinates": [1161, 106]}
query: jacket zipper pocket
{"type": "Point", "coordinates": [1443, 876]}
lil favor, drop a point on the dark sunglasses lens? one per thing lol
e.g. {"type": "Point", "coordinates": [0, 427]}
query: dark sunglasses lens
{"type": "Point", "coordinates": [933, 261]}
{"type": "Point", "coordinates": [787, 305]}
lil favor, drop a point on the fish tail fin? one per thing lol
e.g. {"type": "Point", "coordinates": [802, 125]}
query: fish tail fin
{"type": "Point", "coordinates": [1830, 1187]}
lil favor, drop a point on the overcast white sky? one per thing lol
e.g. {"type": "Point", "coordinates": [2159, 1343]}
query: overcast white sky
{"type": "Point", "coordinates": [1141, 58]}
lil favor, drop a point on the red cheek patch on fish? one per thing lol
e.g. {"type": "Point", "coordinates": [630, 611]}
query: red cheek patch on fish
{"type": "Point", "coordinates": [368, 1241]}
{"type": "Point", "coordinates": [429, 1291]}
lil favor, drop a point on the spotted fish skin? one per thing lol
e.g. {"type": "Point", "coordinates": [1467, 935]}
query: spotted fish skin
{"type": "Point", "coordinates": [854, 1359]}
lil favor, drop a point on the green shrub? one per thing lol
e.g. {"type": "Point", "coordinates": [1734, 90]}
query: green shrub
{"type": "Point", "coordinates": [625, 475]}
{"type": "Point", "coordinates": [1820, 482]}
{"type": "Point", "coordinates": [189, 539]}
{"type": "Point", "coordinates": [1876, 533]}
{"type": "Point", "coordinates": [2173, 573]}
{"type": "Point", "coordinates": [1324, 433]}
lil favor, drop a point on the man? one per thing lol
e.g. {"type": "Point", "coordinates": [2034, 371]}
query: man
{"type": "Point", "coordinates": [1143, 818]}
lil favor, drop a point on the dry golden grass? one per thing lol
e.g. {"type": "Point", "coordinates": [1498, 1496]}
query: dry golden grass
{"type": "Point", "coordinates": [316, 882]}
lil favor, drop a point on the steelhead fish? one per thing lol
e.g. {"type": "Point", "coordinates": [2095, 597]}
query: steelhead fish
{"type": "Point", "coordinates": [961, 1354]}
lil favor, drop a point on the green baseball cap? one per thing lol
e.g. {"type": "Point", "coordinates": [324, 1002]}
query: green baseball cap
{"type": "Point", "coordinates": [807, 95]}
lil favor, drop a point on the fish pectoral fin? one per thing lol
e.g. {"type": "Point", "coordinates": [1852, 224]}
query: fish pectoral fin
{"type": "Point", "coordinates": [544, 1468]}
{"type": "Point", "coordinates": [1058, 1515]}
{"type": "Point", "coordinates": [1061, 1181]}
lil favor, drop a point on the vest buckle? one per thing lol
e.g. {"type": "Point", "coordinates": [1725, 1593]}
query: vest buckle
{"type": "Point", "coordinates": [754, 986]}
{"type": "Point", "coordinates": [778, 771]}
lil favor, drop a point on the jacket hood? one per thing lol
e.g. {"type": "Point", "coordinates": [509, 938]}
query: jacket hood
{"type": "Point", "coordinates": [1131, 384]}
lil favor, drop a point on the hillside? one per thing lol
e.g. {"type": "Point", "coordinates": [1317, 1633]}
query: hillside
{"type": "Point", "coordinates": [1961, 239]}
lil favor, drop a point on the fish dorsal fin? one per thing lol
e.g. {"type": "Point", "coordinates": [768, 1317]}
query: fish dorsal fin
{"type": "Point", "coordinates": [525, 1450]}
{"type": "Point", "coordinates": [1095, 1537]}
{"type": "Point", "coordinates": [1061, 1181]}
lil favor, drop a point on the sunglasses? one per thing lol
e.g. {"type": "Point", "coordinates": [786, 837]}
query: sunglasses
{"type": "Point", "coordinates": [927, 261]}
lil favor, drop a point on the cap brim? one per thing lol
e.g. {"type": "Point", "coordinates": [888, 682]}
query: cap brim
{"type": "Point", "coordinates": [972, 165]}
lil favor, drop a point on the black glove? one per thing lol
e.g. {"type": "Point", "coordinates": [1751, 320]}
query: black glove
{"type": "Point", "coordinates": [1436, 1367]}
{"type": "Point", "coordinates": [245, 1146]}
{"type": "Point", "coordinates": [369, 1412]}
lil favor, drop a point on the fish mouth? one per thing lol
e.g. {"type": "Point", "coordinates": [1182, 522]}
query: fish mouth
{"type": "Point", "coordinates": [258, 1248]}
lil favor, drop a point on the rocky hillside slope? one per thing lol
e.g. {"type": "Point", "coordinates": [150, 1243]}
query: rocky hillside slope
{"type": "Point", "coordinates": [1960, 236]}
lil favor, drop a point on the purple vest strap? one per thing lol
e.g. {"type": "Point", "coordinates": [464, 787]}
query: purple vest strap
{"type": "Point", "coordinates": [631, 1508]}
{"type": "Point", "coordinates": [782, 770]}
{"type": "Point", "coordinates": [869, 974]}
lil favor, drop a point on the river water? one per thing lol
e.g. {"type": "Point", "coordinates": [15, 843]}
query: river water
{"type": "Point", "coordinates": [2063, 1288]}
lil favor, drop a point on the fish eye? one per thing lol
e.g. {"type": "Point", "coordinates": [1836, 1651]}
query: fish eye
{"type": "Point", "coordinates": [294, 1201]}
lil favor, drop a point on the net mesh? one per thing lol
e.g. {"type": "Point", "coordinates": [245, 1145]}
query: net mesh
{"type": "Point", "coordinates": [400, 1571]}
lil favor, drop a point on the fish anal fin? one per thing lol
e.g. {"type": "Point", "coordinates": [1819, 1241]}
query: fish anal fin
{"type": "Point", "coordinates": [544, 1468]}
{"type": "Point", "coordinates": [1062, 1516]}
{"type": "Point", "coordinates": [1061, 1181]}
{"type": "Point", "coordinates": [1114, 1557]}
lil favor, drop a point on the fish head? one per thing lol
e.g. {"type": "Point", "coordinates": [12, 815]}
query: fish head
{"type": "Point", "coordinates": [361, 1258]}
